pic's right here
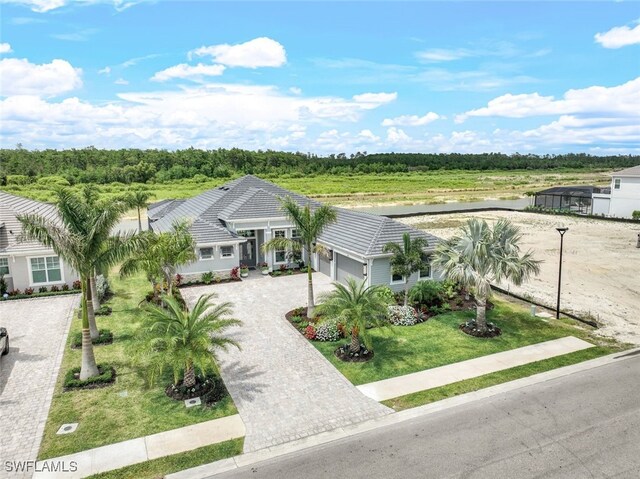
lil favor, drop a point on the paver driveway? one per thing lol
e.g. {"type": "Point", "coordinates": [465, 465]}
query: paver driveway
{"type": "Point", "coordinates": [283, 387]}
{"type": "Point", "coordinates": [38, 330]}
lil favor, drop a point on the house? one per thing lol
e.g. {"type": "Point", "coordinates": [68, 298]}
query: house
{"type": "Point", "coordinates": [576, 199]}
{"type": "Point", "coordinates": [230, 223]}
{"type": "Point", "coordinates": [28, 264]}
{"type": "Point", "coordinates": [623, 198]}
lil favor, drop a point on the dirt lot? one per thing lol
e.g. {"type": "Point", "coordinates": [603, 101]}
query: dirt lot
{"type": "Point", "coordinates": [601, 264]}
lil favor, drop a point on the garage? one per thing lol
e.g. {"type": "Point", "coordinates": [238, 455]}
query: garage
{"type": "Point", "coordinates": [324, 265]}
{"type": "Point", "coordinates": [347, 267]}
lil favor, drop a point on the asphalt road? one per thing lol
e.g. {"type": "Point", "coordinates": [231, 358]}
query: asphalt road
{"type": "Point", "coordinates": [579, 426]}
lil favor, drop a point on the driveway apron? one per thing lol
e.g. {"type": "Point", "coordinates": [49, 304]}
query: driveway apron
{"type": "Point", "coordinates": [283, 387]}
{"type": "Point", "coordinates": [38, 330]}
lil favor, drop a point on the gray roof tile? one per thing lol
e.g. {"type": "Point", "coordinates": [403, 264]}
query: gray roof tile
{"type": "Point", "coordinates": [10, 207]}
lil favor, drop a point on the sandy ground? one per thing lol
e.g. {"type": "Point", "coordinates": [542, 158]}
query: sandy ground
{"type": "Point", "coordinates": [601, 265]}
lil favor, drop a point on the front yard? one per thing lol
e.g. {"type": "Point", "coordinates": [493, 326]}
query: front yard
{"type": "Point", "coordinates": [401, 350]}
{"type": "Point", "coordinates": [125, 409]}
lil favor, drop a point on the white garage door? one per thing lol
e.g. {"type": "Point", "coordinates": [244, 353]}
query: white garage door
{"type": "Point", "coordinates": [347, 267]}
{"type": "Point", "coordinates": [324, 265]}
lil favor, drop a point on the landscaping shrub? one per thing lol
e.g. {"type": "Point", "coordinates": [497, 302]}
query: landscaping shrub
{"type": "Point", "coordinates": [207, 278]}
{"type": "Point", "coordinates": [65, 287]}
{"type": "Point", "coordinates": [402, 315]}
{"type": "Point", "coordinates": [310, 332]}
{"type": "Point", "coordinates": [450, 289]}
{"type": "Point", "coordinates": [235, 273]}
{"type": "Point", "coordinates": [103, 310]}
{"type": "Point", "coordinates": [328, 331]}
{"type": "Point", "coordinates": [28, 291]}
{"type": "Point", "coordinates": [42, 289]}
{"type": "Point", "coordinates": [385, 293]}
{"type": "Point", "coordinates": [427, 293]}
{"type": "Point", "coordinates": [441, 309]}
{"type": "Point", "coordinates": [14, 292]}
{"type": "Point", "coordinates": [54, 288]}
{"type": "Point", "coordinates": [636, 215]}
{"type": "Point", "coordinates": [76, 285]}
{"type": "Point", "coordinates": [107, 376]}
{"type": "Point", "coordinates": [3, 285]}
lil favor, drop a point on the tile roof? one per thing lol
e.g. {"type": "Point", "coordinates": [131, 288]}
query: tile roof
{"type": "Point", "coordinates": [10, 207]}
{"type": "Point", "coordinates": [250, 197]}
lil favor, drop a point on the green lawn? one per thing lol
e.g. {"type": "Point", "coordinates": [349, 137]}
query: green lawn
{"type": "Point", "coordinates": [402, 350]}
{"type": "Point", "coordinates": [158, 468]}
{"type": "Point", "coordinates": [104, 416]}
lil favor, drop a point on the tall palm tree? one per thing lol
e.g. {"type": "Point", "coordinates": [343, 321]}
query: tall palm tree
{"type": "Point", "coordinates": [310, 224]}
{"type": "Point", "coordinates": [78, 236]}
{"type": "Point", "coordinates": [164, 253]}
{"type": "Point", "coordinates": [184, 341]}
{"type": "Point", "coordinates": [357, 307]}
{"type": "Point", "coordinates": [138, 198]}
{"type": "Point", "coordinates": [406, 259]}
{"type": "Point", "coordinates": [479, 255]}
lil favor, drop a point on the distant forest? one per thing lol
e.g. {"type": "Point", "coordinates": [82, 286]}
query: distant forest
{"type": "Point", "coordinates": [91, 165]}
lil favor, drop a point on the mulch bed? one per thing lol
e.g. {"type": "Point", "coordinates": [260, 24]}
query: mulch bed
{"type": "Point", "coordinates": [343, 353]}
{"type": "Point", "coordinates": [288, 272]}
{"type": "Point", "coordinates": [202, 283]}
{"type": "Point", "coordinates": [209, 389]}
{"type": "Point", "coordinates": [471, 329]}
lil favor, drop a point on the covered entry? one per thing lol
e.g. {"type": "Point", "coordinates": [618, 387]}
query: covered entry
{"type": "Point", "coordinates": [347, 267]}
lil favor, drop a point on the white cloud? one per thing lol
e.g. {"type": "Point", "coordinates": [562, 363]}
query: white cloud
{"type": "Point", "coordinates": [619, 37]}
{"type": "Point", "coordinates": [20, 77]}
{"type": "Point", "coordinates": [105, 71]}
{"type": "Point", "coordinates": [374, 100]}
{"type": "Point", "coordinates": [295, 90]}
{"type": "Point", "coordinates": [481, 48]}
{"type": "Point", "coordinates": [411, 120]}
{"type": "Point", "coordinates": [442, 54]}
{"type": "Point", "coordinates": [42, 6]}
{"type": "Point", "coordinates": [121, 81]}
{"type": "Point", "coordinates": [185, 71]}
{"type": "Point", "coordinates": [5, 48]}
{"type": "Point", "coordinates": [604, 101]}
{"type": "Point", "coordinates": [396, 135]}
{"type": "Point", "coordinates": [259, 52]}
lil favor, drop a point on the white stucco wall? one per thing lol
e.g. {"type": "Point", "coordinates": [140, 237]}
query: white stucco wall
{"type": "Point", "coordinates": [600, 205]}
{"type": "Point", "coordinates": [626, 199]}
{"type": "Point", "coordinates": [20, 277]}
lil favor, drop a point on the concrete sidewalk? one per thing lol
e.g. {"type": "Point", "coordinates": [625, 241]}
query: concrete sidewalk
{"type": "Point", "coordinates": [134, 451]}
{"type": "Point", "coordinates": [472, 368]}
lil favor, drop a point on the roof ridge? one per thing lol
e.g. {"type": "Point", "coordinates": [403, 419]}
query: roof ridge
{"type": "Point", "coordinates": [374, 239]}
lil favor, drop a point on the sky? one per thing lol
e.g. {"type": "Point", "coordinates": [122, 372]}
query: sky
{"type": "Point", "coordinates": [321, 77]}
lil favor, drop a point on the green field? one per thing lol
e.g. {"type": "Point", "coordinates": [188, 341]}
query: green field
{"type": "Point", "coordinates": [367, 189]}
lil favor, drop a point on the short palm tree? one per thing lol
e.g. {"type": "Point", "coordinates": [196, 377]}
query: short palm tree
{"type": "Point", "coordinates": [309, 224]}
{"type": "Point", "coordinates": [79, 235]}
{"type": "Point", "coordinates": [186, 341]}
{"type": "Point", "coordinates": [138, 198]}
{"type": "Point", "coordinates": [479, 255]}
{"type": "Point", "coordinates": [164, 253]}
{"type": "Point", "coordinates": [357, 306]}
{"type": "Point", "coordinates": [406, 259]}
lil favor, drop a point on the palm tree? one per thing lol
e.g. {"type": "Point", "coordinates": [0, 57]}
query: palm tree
{"type": "Point", "coordinates": [138, 199]}
{"type": "Point", "coordinates": [357, 307]}
{"type": "Point", "coordinates": [406, 259]}
{"type": "Point", "coordinates": [79, 235]}
{"type": "Point", "coordinates": [309, 224]}
{"type": "Point", "coordinates": [184, 341]}
{"type": "Point", "coordinates": [164, 253]}
{"type": "Point", "coordinates": [479, 255]}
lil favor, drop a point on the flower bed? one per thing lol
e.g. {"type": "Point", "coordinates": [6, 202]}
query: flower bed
{"type": "Point", "coordinates": [13, 295]}
{"type": "Point", "coordinates": [210, 389]}
{"type": "Point", "coordinates": [315, 329]}
{"type": "Point", "coordinates": [404, 316]}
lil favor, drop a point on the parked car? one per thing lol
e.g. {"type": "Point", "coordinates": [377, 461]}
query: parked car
{"type": "Point", "coordinates": [4, 341]}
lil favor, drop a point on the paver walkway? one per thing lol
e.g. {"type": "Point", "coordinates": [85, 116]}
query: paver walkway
{"type": "Point", "coordinates": [38, 330]}
{"type": "Point", "coordinates": [472, 368]}
{"type": "Point", "coordinates": [141, 449]}
{"type": "Point", "coordinates": [283, 387]}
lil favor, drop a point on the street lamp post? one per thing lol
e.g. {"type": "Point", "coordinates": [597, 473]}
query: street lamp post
{"type": "Point", "coordinates": [562, 231]}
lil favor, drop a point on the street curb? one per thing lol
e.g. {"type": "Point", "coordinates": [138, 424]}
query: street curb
{"type": "Point", "coordinates": [229, 464]}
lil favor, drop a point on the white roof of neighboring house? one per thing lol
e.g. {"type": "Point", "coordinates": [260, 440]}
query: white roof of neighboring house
{"type": "Point", "coordinates": [634, 171]}
{"type": "Point", "coordinates": [10, 228]}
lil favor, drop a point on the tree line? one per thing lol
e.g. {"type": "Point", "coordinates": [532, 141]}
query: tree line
{"type": "Point", "coordinates": [92, 165]}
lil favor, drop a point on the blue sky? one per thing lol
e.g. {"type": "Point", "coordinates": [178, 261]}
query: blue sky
{"type": "Point", "coordinates": [323, 77]}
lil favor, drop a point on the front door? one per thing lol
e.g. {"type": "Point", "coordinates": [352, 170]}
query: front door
{"type": "Point", "coordinates": [248, 252]}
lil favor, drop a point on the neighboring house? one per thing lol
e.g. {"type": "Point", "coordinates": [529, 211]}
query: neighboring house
{"type": "Point", "coordinates": [28, 264]}
{"type": "Point", "coordinates": [230, 223]}
{"type": "Point", "coordinates": [576, 199]}
{"type": "Point", "coordinates": [624, 196]}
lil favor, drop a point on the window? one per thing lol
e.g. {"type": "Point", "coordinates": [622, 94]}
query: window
{"type": "Point", "coordinates": [279, 255]}
{"type": "Point", "coordinates": [295, 234]}
{"type": "Point", "coordinates": [45, 270]}
{"type": "Point", "coordinates": [425, 272]}
{"type": "Point", "coordinates": [246, 233]}
{"type": "Point", "coordinates": [616, 184]}
{"type": "Point", "coordinates": [226, 251]}
{"type": "Point", "coordinates": [397, 278]}
{"type": "Point", "coordinates": [4, 266]}
{"type": "Point", "coordinates": [206, 253]}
